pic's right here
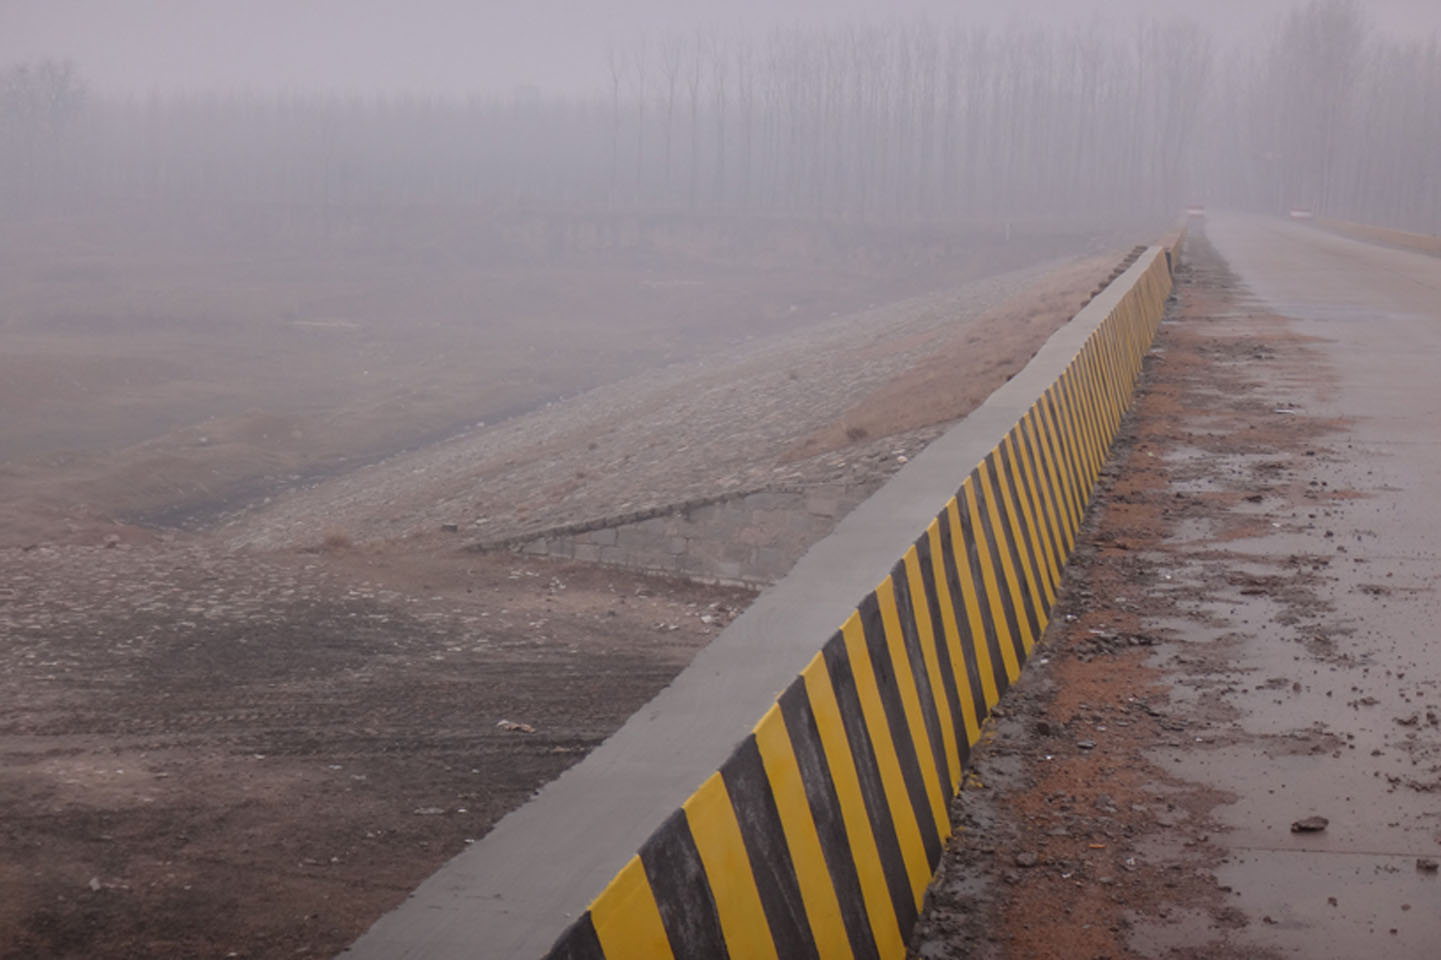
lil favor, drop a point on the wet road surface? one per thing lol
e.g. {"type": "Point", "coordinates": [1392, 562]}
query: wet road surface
{"type": "Point", "coordinates": [1246, 643]}
{"type": "Point", "coordinates": [1361, 884]}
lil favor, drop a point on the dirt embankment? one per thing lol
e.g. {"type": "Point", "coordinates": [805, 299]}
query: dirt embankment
{"type": "Point", "coordinates": [157, 370]}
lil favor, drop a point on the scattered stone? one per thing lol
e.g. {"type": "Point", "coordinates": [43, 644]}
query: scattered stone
{"type": "Point", "coordinates": [1310, 825]}
{"type": "Point", "coordinates": [450, 527]}
{"type": "Point", "coordinates": [1027, 858]}
{"type": "Point", "coordinates": [1086, 744]}
{"type": "Point", "coordinates": [514, 727]}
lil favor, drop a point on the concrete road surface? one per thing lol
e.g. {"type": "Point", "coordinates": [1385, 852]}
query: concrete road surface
{"type": "Point", "coordinates": [1356, 887]}
{"type": "Point", "coordinates": [1249, 642]}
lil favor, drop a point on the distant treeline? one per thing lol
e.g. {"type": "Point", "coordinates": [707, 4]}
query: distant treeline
{"type": "Point", "coordinates": [1331, 117]}
{"type": "Point", "coordinates": [885, 124]}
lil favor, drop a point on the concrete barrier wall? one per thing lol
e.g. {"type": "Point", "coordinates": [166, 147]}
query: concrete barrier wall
{"type": "Point", "coordinates": [820, 833]}
{"type": "Point", "coordinates": [1385, 236]}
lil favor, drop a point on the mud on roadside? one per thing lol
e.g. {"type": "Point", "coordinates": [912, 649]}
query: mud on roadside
{"type": "Point", "coordinates": [1075, 840]}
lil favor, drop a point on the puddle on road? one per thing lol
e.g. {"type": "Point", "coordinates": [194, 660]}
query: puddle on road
{"type": "Point", "coordinates": [1310, 689]}
{"type": "Point", "coordinates": [1367, 903]}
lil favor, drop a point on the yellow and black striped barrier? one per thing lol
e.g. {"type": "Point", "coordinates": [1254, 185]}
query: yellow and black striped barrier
{"type": "Point", "coordinates": [818, 837]}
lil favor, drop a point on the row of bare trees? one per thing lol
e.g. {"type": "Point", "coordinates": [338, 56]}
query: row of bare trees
{"type": "Point", "coordinates": [1332, 117]}
{"type": "Point", "coordinates": [896, 124]}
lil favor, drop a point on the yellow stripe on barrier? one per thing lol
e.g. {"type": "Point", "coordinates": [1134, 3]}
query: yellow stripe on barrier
{"type": "Point", "coordinates": [1052, 494]}
{"type": "Point", "coordinates": [1085, 407]}
{"type": "Point", "coordinates": [1046, 436]}
{"type": "Point", "coordinates": [930, 636]}
{"type": "Point", "coordinates": [1027, 548]}
{"type": "Point", "coordinates": [1033, 503]}
{"type": "Point", "coordinates": [994, 603]}
{"type": "Point", "coordinates": [893, 784]}
{"type": "Point", "coordinates": [1008, 572]}
{"type": "Point", "coordinates": [884, 925]}
{"type": "Point", "coordinates": [958, 656]}
{"type": "Point", "coordinates": [970, 596]}
{"type": "Point", "coordinates": [818, 892]}
{"type": "Point", "coordinates": [1068, 442]}
{"type": "Point", "coordinates": [717, 835]}
{"type": "Point", "coordinates": [910, 698]}
{"type": "Point", "coordinates": [626, 919]}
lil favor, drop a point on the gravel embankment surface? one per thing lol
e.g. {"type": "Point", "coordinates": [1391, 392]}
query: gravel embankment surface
{"type": "Point", "coordinates": [689, 430]}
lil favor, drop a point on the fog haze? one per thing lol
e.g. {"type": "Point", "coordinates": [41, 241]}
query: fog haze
{"type": "Point", "coordinates": [455, 47]}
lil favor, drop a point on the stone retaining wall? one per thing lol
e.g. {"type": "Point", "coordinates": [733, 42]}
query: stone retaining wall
{"type": "Point", "coordinates": [750, 537]}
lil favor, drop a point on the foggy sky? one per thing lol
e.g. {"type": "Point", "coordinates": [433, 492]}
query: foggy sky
{"type": "Point", "coordinates": [493, 46]}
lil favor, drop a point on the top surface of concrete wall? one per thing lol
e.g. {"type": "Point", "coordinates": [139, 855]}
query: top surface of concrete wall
{"type": "Point", "coordinates": [517, 889]}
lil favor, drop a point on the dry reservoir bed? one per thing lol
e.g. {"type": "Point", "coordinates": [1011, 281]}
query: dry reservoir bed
{"type": "Point", "coordinates": [225, 755]}
{"type": "Point", "coordinates": [252, 741]}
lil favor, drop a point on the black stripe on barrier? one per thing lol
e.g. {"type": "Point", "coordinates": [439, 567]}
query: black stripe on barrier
{"type": "Point", "coordinates": [925, 695]}
{"type": "Point", "coordinates": [973, 542]}
{"type": "Point", "coordinates": [1027, 487]}
{"type": "Point", "coordinates": [1066, 459]}
{"type": "Point", "coordinates": [1107, 387]}
{"type": "Point", "coordinates": [907, 752]}
{"type": "Point", "coordinates": [579, 942]}
{"type": "Point", "coordinates": [1047, 505]}
{"type": "Point", "coordinates": [1081, 384]}
{"type": "Point", "coordinates": [1110, 368]}
{"type": "Point", "coordinates": [1056, 442]}
{"type": "Point", "coordinates": [1085, 424]}
{"type": "Point", "coordinates": [1065, 442]}
{"type": "Point", "coordinates": [943, 647]}
{"type": "Point", "coordinates": [677, 878]}
{"type": "Point", "coordinates": [1027, 565]}
{"type": "Point", "coordinates": [1048, 465]}
{"type": "Point", "coordinates": [1116, 375]}
{"type": "Point", "coordinates": [893, 864]}
{"type": "Point", "coordinates": [969, 662]}
{"type": "Point", "coordinates": [765, 841]}
{"type": "Point", "coordinates": [1076, 384]}
{"type": "Point", "coordinates": [994, 543]}
{"type": "Point", "coordinates": [1096, 390]}
{"type": "Point", "coordinates": [805, 739]}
